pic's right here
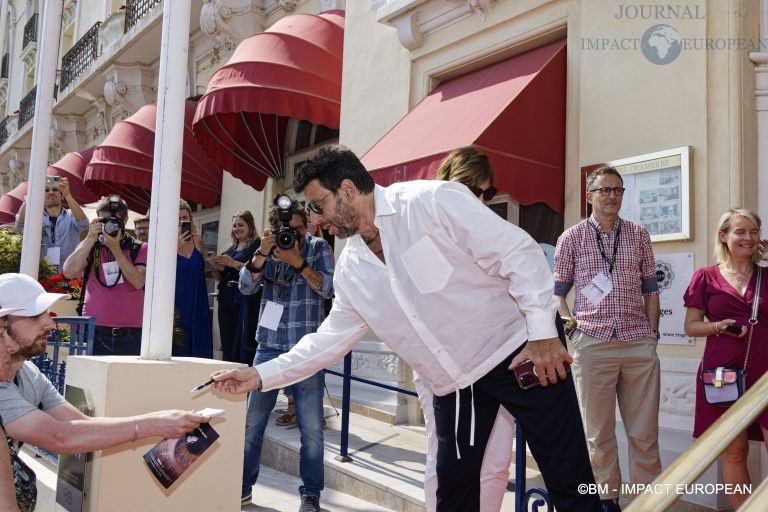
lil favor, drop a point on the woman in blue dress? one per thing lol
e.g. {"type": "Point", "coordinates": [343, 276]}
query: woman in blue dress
{"type": "Point", "coordinates": [191, 291]}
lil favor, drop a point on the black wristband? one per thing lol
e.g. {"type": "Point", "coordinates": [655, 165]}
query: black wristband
{"type": "Point", "coordinates": [259, 253]}
{"type": "Point", "coordinates": [251, 268]}
{"type": "Point", "coordinates": [302, 267]}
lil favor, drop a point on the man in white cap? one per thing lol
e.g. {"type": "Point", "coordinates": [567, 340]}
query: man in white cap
{"type": "Point", "coordinates": [31, 408]}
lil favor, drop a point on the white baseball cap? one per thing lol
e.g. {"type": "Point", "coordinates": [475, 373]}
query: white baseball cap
{"type": "Point", "coordinates": [24, 296]}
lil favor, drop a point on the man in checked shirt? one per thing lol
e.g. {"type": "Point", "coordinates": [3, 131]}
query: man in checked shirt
{"type": "Point", "coordinates": [295, 283]}
{"type": "Point", "coordinates": [616, 305]}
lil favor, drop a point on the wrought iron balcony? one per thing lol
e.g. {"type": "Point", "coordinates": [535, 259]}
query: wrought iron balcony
{"type": "Point", "coordinates": [27, 107]}
{"type": "Point", "coordinates": [4, 130]}
{"type": "Point", "coordinates": [137, 9]}
{"type": "Point", "coordinates": [80, 57]}
{"type": "Point", "coordinates": [4, 67]}
{"type": "Point", "coordinates": [30, 31]}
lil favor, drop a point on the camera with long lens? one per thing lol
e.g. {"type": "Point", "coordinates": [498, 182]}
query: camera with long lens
{"type": "Point", "coordinates": [285, 235]}
{"type": "Point", "coordinates": [112, 224]}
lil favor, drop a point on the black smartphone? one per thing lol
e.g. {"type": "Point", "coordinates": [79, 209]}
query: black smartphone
{"type": "Point", "coordinates": [186, 227]}
{"type": "Point", "coordinates": [525, 373]}
{"type": "Point", "coordinates": [733, 329]}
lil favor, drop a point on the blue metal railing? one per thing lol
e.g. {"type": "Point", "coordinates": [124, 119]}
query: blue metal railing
{"type": "Point", "coordinates": [522, 497]}
{"type": "Point", "coordinates": [80, 343]}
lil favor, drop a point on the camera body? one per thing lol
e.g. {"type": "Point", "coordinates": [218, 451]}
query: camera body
{"type": "Point", "coordinates": [112, 224]}
{"type": "Point", "coordinates": [525, 374]}
{"type": "Point", "coordinates": [285, 235]}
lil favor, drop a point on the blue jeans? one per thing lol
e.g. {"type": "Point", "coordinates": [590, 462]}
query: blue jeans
{"type": "Point", "coordinates": [126, 344]}
{"type": "Point", "coordinates": [308, 397]}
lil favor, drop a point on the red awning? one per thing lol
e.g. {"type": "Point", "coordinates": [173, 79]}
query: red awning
{"type": "Point", "coordinates": [291, 70]}
{"type": "Point", "coordinates": [72, 166]}
{"type": "Point", "coordinates": [10, 203]}
{"type": "Point", "coordinates": [513, 110]}
{"type": "Point", "coordinates": [122, 164]}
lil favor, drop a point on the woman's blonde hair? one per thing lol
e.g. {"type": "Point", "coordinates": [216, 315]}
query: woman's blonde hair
{"type": "Point", "coordinates": [465, 165]}
{"type": "Point", "coordinates": [183, 205]}
{"type": "Point", "coordinates": [721, 253]}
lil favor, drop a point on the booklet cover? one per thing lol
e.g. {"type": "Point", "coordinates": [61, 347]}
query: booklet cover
{"type": "Point", "coordinates": [170, 458]}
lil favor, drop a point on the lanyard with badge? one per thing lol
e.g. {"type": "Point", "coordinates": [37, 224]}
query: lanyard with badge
{"type": "Point", "coordinates": [601, 284]}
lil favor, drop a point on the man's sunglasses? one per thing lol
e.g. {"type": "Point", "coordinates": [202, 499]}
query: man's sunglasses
{"type": "Point", "coordinates": [487, 194]}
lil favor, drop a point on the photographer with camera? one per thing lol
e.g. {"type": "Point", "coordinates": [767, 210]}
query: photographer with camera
{"type": "Point", "coordinates": [295, 272]}
{"type": "Point", "coordinates": [112, 265]}
{"type": "Point", "coordinates": [61, 226]}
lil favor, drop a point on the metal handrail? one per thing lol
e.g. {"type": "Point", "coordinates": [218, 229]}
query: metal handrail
{"type": "Point", "coordinates": [135, 10]}
{"type": "Point", "coordinates": [30, 31]}
{"type": "Point", "coordinates": [705, 450]}
{"type": "Point", "coordinates": [81, 330]}
{"type": "Point", "coordinates": [80, 56]}
{"type": "Point", "coordinates": [522, 497]}
{"type": "Point", "coordinates": [27, 107]}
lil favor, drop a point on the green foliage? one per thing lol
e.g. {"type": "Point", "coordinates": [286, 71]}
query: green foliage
{"type": "Point", "coordinates": [10, 254]}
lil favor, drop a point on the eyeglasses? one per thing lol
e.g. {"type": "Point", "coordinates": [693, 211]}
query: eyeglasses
{"type": "Point", "coordinates": [315, 207]}
{"type": "Point", "coordinates": [606, 191]}
{"type": "Point", "coordinates": [487, 194]}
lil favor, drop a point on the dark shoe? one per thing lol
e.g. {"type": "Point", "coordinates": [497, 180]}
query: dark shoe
{"type": "Point", "coordinates": [610, 505]}
{"type": "Point", "coordinates": [247, 498]}
{"type": "Point", "coordinates": [310, 504]}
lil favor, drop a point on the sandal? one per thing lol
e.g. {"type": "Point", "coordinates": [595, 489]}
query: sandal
{"type": "Point", "coordinates": [285, 419]}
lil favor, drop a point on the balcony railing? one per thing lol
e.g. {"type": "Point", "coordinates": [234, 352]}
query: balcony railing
{"type": "Point", "coordinates": [4, 130]}
{"type": "Point", "coordinates": [30, 31]}
{"type": "Point", "coordinates": [137, 9]}
{"type": "Point", "coordinates": [4, 66]}
{"type": "Point", "coordinates": [80, 57]}
{"type": "Point", "coordinates": [27, 107]}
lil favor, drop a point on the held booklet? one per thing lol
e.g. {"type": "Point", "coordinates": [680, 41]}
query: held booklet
{"type": "Point", "coordinates": [170, 458]}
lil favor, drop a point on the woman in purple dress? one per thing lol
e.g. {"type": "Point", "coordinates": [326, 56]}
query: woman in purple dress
{"type": "Point", "coordinates": [719, 305]}
{"type": "Point", "coordinates": [191, 291]}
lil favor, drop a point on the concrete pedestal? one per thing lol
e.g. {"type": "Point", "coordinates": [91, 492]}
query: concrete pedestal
{"type": "Point", "coordinates": [118, 479]}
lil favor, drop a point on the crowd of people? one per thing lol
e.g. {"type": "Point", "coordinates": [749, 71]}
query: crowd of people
{"type": "Point", "coordinates": [464, 306]}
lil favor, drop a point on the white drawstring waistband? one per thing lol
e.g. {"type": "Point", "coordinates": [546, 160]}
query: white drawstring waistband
{"type": "Point", "coordinates": [471, 420]}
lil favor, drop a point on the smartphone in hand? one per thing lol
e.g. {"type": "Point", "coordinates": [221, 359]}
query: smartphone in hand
{"type": "Point", "coordinates": [186, 228]}
{"type": "Point", "coordinates": [525, 373]}
{"type": "Point", "coordinates": [733, 329]}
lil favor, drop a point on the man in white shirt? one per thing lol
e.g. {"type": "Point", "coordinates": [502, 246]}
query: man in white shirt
{"type": "Point", "coordinates": [456, 291]}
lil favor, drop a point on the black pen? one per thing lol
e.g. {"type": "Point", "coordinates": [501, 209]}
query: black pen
{"type": "Point", "coordinates": [203, 385]}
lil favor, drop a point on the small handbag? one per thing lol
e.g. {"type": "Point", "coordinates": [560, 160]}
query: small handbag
{"type": "Point", "coordinates": [724, 385]}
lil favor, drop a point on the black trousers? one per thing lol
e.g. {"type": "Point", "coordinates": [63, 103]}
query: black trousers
{"type": "Point", "coordinates": [551, 422]}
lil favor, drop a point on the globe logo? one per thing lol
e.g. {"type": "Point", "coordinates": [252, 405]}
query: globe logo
{"type": "Point", "coordinates": [661, 44]}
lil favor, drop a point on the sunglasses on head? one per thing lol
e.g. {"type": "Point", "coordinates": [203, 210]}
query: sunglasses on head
{"type": "Point", "coordinates": [486, 194]}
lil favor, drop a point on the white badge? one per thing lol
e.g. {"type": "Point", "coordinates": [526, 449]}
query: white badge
{"type": "Point", "coordinates": [54, 255]}
{"type": "Point", "coordinates": [112, 275]}
{"type": "Point", "coordinates": [598, 289]}
{"type": "Point", "coordinates": [270, 317]}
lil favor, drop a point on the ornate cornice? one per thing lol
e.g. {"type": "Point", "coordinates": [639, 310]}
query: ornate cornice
{"type": "Point", "coordinates": [223, 22]}
{"type": "Point", "coordinates": [415, 19]}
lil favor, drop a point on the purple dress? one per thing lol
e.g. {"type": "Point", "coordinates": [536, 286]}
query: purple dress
{"type": "Point", "coordinates": [710, 292]}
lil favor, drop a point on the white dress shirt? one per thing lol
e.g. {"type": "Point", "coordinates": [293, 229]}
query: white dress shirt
{"type": "Point", "coordinates": [460, 291]}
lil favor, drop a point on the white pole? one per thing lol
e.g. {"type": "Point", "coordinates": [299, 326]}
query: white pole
{"type": "Point", "coordinates": [166, 183]}
{"type": "Point", "coordinates": [41, 129]}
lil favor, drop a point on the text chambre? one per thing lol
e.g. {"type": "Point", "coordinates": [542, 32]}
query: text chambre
{"type": "Point", "coordinates": [659, 12]}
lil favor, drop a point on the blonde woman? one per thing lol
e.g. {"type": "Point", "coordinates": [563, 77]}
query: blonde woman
{"type": "Point", "coordinates": [719, 306]}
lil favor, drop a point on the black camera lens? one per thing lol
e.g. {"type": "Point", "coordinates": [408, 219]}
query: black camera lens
{"type": "Point", "coordinates": [111, 227]}
{"type": "Point", "coordinates": [285, 237]}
